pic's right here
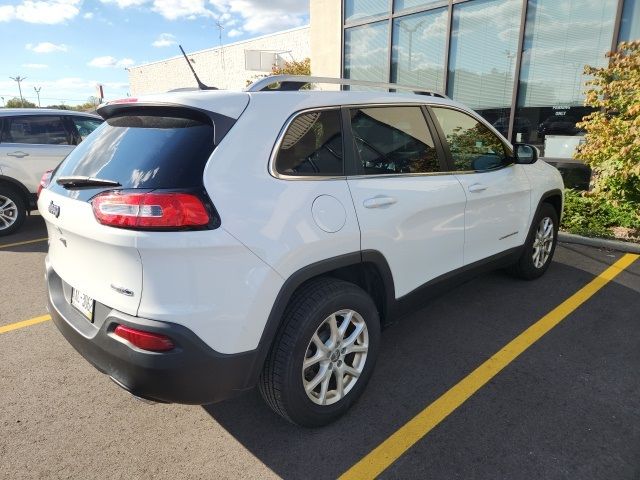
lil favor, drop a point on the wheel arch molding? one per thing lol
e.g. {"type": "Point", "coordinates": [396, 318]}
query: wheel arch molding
{"type": "Point", "coordinates": [368, 269]}
{"type": "Point", "coordinates": [554, 197]}
{"type": "Point", "coordinates": [19, 187]}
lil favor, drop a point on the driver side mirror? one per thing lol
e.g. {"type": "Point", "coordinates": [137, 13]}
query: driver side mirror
{"type": "Point", "coordinates": [524, 153]}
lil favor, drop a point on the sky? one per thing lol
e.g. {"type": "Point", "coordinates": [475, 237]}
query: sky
{"type": "Point", "coordinates": [66, 47]}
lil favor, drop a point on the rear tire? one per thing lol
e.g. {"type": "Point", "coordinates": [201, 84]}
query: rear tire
{"type": "Point", "coordinates": [12, 210]}
{"type": "Point", "coordinates": [540, 245]}
{"type": "Point", "coordinates": [323, 354]}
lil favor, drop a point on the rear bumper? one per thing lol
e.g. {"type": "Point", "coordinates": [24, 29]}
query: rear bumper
{"type": "Point", "coordinates": [192, 373]}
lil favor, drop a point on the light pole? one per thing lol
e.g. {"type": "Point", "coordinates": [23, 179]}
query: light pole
{"type": "Point", "coordinates": [411, 31]}
{"type": "Point", "coordinates": [38, 93]}
{"type": "Point", "coordinates": [19, 79]}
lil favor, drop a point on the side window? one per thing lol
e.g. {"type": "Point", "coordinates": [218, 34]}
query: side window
{"type": "Point", "coordinates": [85, 125]}
{"type": "Point", "coordinates": [312, 145]}
{"type": "Point", "coordinates": [37, 129]}
{"type": "Point", "coordinates": [472, 145]}
{"type": "Point", "coordinates": [393, 140]}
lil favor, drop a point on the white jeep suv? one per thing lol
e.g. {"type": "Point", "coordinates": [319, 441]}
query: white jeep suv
{"type": "Point", "coordinates": [33, 141]}
{"type": "Point", "coordinates": [204, 242]}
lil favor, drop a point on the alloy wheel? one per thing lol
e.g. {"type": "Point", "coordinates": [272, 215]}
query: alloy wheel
{"type": "Point", "coordinates": [8, 212]}
{"type": "Point", "coordinates": [543, 242]}
{"type": "Point", "coordinates": [335, 357]}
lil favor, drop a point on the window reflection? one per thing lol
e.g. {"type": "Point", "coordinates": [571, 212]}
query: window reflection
{"type": "Point", "coordinates": [560, 39]}
{"type": "Point", "coordinates": [407, 4]}
{"type": "Point", "coordinates": [472, 145]}
{"type": "Point", "coordinates": [630, 26]}
{"type": "Point", "coordinates": [312, 145]}
{"type": "Point", "coordinates": [366, 52]}
{"type": "Point", "coordinates": [484, 44]}
{"type": "Point", "coordinates": [360, 9]}
{"type": "Point", "coordinates": [418, 49]}
{"type": "Point", "coordinates": [393, 140]}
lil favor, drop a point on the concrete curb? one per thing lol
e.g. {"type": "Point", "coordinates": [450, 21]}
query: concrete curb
{"type": "Point", "coordinates": [619, 245]}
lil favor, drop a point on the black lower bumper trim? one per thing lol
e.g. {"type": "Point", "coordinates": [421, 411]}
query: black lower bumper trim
{"type": "Point", "coordinates": [192, 373]}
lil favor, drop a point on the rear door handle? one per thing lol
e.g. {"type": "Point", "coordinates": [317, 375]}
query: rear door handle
{"type": "Point", "coordinates": [18, 154]}
{"type": "Point", "coordinates": [379, 201]}
{"type": "Point", "coordinates": [477, 187]}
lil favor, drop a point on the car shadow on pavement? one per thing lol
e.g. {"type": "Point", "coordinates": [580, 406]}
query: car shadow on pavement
{"type": "Point", "coordinates": [422, 356]}
{"type": "Point", "coordinates": [33, 231]}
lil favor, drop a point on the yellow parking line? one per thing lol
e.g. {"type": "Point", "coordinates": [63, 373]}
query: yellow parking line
{"type": "Point", "coordinates": [381, 457]}
{"type": "Point", "coordinates": [26, 242]}
{"type": "Point", "coordinates": [24, 323]}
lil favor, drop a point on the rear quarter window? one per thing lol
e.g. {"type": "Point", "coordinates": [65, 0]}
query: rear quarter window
{"type": "Point", "coordinates": [312, 145]}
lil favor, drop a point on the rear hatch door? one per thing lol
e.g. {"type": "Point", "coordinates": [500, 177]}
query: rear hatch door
{"type": "Point", "coordinates": [139, 148]}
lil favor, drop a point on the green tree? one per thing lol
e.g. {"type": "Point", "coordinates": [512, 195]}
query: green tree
{"type": "Point", "coordinates": [17, 103]}
{"type": "Point", "coordinates": [62, 106]}
{"type": "Point", "coordinates": [612, 140]}
{"type": "Point", "coordinates": [302, 67]}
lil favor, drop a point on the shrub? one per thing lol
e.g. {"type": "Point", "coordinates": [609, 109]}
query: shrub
{"type": "Point", "coordinates": [589, 215]}
{"type": "Point", "coordinates": [612, 141]}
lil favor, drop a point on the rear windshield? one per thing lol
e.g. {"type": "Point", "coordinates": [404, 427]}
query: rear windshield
{"type": "Point", "coordinates": [145, 150]}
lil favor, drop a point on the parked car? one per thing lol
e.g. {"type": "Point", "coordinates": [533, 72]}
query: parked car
{"type": "Point", "coordinates": [559, 125]}
{"type": "Point", "coordinates": [205, 242]}
{"type": "Point", "coordinates": [521, 125]}
{"type": "Point", "coordinates": [33, 141]}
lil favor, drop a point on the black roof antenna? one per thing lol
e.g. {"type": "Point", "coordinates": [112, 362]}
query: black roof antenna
{"type": "Point", "coordinates": [201, 85]}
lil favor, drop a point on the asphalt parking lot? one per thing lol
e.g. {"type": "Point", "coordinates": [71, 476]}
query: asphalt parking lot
{"type": "Point", "coordinates": [567, 407]}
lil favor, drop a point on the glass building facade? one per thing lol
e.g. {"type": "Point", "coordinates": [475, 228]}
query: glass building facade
{"type": "Point", "coordinates": [519, 63]}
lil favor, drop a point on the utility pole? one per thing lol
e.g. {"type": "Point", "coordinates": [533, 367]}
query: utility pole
{"type": "Point", "coordinates": [38, 93]}
{"type": "Point", "coordinates": [220, 28]}
{"type": "Point", "coordinates": [3, 104]}
{"type": "Point", "coordinates": [19, 79]}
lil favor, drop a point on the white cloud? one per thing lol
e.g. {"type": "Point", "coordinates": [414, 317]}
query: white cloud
{"type": "Point", "coordinates": [46, 47]}
{"type": "Point", "coordinates": [174, 9]}
{"type": "Point", "coordinates": [126, 3]}
{"type": "Point", "coordinates": [258, 16]}
{"type": "Point", "coordinates": [42, 11]}
{"type": "Point", "coordinates": [110, 62]}
{"type": "Point", "coordinates": [252, 16]}
{"type": "Point", "coordinates": [234, 32]}
{"type": "Point", "coordinates": [35, 65]}
{"type": "Point", "coordinates": [7, 13]}
{"type": "Point", "coordinates": [164, 40]}
{"type": "Point", "coordinates": [88, 15]}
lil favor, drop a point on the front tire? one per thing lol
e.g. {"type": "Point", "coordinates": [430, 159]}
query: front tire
{"type": "Point", "coordinates": [12, 210]}
{"type": "Point", "coordinates": [540, 245]}
{"type": "Point", "coordinates": [324, 353]}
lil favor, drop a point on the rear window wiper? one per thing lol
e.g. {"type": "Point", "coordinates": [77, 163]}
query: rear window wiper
{"type": "Point", "coordinates": [77, 181]}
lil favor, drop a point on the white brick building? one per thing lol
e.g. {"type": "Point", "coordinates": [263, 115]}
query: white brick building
{"type": "Point", "coordinates": [228, 67]}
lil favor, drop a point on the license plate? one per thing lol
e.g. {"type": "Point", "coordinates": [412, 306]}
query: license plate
{"type": "Point", "coordinates": [84, 303]}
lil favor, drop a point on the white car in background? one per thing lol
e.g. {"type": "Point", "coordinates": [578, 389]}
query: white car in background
{"type": "Point", "coordinates": [33, 141]}
{"type": "Point", "coordinates": [204, 242]}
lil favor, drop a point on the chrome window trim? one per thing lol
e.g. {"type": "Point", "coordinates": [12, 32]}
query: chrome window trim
{"type": "Point", "coordinates": [282, 176]}
{"type": "Point", "coordinates": [276, 148]}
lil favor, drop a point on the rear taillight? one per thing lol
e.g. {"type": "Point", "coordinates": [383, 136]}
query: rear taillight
{"type": "Point", "coordinates": [153, 342]}
{"type": "Point", "coordinates": [150, 210]}
{"type": "Point", "coordinates": [44, 181]}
